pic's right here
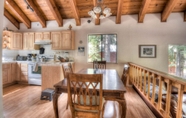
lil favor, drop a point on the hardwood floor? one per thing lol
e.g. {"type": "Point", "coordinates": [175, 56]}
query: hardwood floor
{"type": "Point", "coordinates": [21, 101]}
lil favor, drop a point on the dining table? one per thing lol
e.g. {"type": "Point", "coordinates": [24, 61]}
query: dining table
{"type": "Point", "coordinates": [113, 88]}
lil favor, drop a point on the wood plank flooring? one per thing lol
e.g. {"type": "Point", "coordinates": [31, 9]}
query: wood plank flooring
{"type": "Point", "coordinates": [22, 101]}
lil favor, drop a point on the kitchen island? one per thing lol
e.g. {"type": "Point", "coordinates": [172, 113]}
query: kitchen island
{"type": "Point", "coordinates": [52, 73]}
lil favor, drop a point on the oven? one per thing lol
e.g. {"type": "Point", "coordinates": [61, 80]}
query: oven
{"type": "Point", "coordinates": [34, 77]}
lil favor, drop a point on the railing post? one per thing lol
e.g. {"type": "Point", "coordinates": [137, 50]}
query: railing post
{"type": "Point", "coordinates": [180, 98]}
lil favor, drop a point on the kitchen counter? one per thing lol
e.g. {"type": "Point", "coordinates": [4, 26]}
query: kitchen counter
{"type": "Point", "coordinates": [42, 63]}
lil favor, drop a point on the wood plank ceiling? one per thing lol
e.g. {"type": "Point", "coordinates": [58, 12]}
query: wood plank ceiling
{"type": "Point", "coordinates": [17, 11]}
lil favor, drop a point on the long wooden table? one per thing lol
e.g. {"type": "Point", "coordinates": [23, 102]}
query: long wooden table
{"type": "Point", "coordinates": [113, 88]}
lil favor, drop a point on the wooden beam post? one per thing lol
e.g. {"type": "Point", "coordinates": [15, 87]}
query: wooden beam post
{"type": "Point", "coordinates": [37, 13]}
{"type": "Point", "coordinates": [118, 16]}
{"type": "Point", "coordinates": [20, 13]}
{"type": "Point", "coordinates": [53, 7]}
{"type": "Point", "coordinates": [76, 12]}
{"type": "Point", "coordinates": [97, 20]}
{"type": "Point", "coordinates": [11, 19]}
{"type": "Point", "coordinates": [168, 9]}
{"type": "Point", "coordinates": [143, 10]}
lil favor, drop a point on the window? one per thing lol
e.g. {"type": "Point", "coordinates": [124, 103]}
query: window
{"type": "Point", "coordinates": [102, 47]}
{"type": "Point", "coordinates": [177, 60]}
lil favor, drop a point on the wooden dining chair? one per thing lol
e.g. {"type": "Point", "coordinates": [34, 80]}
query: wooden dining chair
{"type": "Point", "coordinates": [85, 95]}
{"type": "Point", "coordinates": [67, 68]}
{"type": "Point", "coordinates": [99, 64]}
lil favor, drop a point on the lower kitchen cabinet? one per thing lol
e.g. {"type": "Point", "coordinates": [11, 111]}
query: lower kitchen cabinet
{"type": "Point", "coordinates": [9, 73]}
{"type": "Point", "coordinates": [13, 72]}
{"type": "Point", "coordinates": [24, 72]}
{"type": "Point", "coordinates": [6, 72]}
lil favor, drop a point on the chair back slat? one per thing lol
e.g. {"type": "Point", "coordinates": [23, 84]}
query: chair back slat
{"type": "Point", "coordinates": [99, 64]}
{"type": "Point", "coordinates": [85, 92]}
{"type": "Point", "coordinates": [67, 68]}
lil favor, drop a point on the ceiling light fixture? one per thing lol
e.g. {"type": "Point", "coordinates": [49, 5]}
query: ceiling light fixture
{"type": "Point", "coordinates": [101, 9]}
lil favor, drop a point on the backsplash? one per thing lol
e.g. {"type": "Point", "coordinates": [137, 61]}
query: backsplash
{"type": "Point", "coordinates": [13, 53]}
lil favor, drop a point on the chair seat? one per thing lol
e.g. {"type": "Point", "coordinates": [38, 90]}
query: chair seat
{"type": "Point", "coordinates": [88, 103]}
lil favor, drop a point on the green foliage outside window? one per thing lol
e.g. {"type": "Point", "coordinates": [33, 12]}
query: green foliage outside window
{"type": "Point", "coordinates": [102, 47]}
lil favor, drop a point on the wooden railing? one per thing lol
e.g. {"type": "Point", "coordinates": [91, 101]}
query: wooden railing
{"type": "Point", "coordinates": [153, 85]}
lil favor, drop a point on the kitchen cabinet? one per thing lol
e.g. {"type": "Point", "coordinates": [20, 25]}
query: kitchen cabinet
{"type": "Point", "coordinates": [6, 39]}
{"type": "Point", "coordinates": [63, 40]}
{"type": "Point", "coordinates": [42, 36]}
{"type": "Point", "coordinates": [24, 72]}
{"type": "Point", "coordinates": [16, 42]}
{"type": "Point", "coordinates": [13, 72]}
{"type": "Point", "coordinates": [6, 73]}
{"type": "Point", "coordinates": [67, 40]}
{"type": "Point", "coordinates": [56, 40]}
{"type": "Point", "coordinates": [28, 41]}
{"type": "Point", "coordinates": [9, 73]}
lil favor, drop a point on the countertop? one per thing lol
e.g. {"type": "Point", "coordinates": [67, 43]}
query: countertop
{"type": "Point", "coordinates": [42, 63]}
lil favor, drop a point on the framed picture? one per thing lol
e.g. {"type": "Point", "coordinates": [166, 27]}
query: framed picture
{"type": "Point", "coordinates": [147, 51]}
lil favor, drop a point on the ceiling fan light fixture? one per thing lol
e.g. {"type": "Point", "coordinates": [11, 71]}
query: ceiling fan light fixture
{"type": "Point", "coordinates": [100, 9]}
{"type": "Point", "coordinates": [106, 10]}
{"type": "Point", "coordinates": [101, 17]}
{"type": "Point", "coordinates": [97, 9]}
{"type": "Point", "coordinates": [109, 14]}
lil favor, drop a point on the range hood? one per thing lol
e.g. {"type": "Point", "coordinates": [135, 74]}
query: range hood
{"type": "Point", "coordinates": [42, 42]}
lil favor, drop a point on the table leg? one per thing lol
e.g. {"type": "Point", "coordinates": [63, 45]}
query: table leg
{"type": "Point", "coordinates": [124, 108]}
{"type": "Point", "coordinates": [55, 104]}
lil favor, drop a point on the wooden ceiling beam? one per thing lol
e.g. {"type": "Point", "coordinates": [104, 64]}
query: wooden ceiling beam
{"type": "Point", "coordinates": [19, 12]}
{"type": "Point", "coordinates": [97, 20]}
{"type": "Point", "coordinates": [143, 10]}
{"type": "Point", "coordinates": [11, 19]}
{"type": "Point", "coordinates": [168, 9]}
{"type": "Point", "coordinates": [37, 13]}
{"type": "Point", "coordinates": [76, 12]}
{"type": "Point", "coordinates": [53, 7]}
{"type": "Point", "coordinates": [118, 16]}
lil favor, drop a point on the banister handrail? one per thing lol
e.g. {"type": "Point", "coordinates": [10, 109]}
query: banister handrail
{"type": "Point", "coordinates": [163, 74]}
{"type": "Point", "coordinates": [145, 81]}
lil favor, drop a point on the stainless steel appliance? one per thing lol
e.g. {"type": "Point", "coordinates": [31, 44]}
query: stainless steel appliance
{"type": "Point", "coordinates": [34, 77]}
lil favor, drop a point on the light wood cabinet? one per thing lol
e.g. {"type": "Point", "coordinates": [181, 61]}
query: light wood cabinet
{"type": "Point", "coordinates": [28, 41]}
{"type": "Point", "coordinates": [7, 35]}
{"type": "Point", "coordinates": [56, 40]}
{"type": "Point", "coordinates": [6, 73]}
{"type": "Point", "coordinates": [13, 72]}
{"type": "Point", "coordinates": [9, 72]}
{"type": "Point", "coordinates": [24, 72]}
{"type": "Point", "coordinates": [42, 36]}
{"type": "Point", "coordinates": [16, 42]}
{"type": "Point", "coordinates": [18, 76]}
{"type": "Point", "coordinates": [67, 38]}
{"type": "Point", "coordinates": [63, 40]}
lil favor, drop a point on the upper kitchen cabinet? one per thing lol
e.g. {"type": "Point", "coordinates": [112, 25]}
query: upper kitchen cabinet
{"type": "Point", "coordinates": [67, 40]}
{"type": "Point", "coordinates": [28, 41]}
{"type": "Point", "coordinates": [16, 42]}
{"type": "Point", "coordinates": [6, 39]}
{"type": "Point", "coordinates": [42, 36]}
{"type": "Point", "coordinates": [63, 40]}
{"type": "Point", "coordinates": [56, 40]}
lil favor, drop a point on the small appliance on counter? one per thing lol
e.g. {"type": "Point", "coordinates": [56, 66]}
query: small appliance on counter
{"type": "Point", "coordinates": [21, 58]}
{"type": "Point", "coordinates": [29, 56]}
{"type": "Point", "coordinates": [41, 50]}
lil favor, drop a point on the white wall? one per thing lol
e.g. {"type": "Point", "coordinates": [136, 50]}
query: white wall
{"type": "Point", "coordinates": [1, 29]}
{"type": "Point", "coordinates": [130, 34]}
